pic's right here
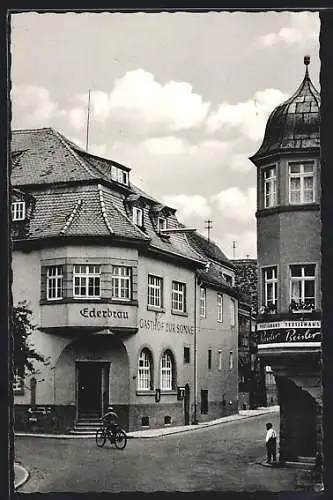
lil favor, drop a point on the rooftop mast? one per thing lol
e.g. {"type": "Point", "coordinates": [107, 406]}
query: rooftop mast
{"type": "Point", "coordinates": [88, 117]}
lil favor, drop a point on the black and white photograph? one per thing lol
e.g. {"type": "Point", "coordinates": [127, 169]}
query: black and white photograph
{"type": "Point", "coordinates": [165, 228]}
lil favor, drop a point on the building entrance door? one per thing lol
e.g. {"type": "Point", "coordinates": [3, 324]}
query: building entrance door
{"type": "Point", "coordinates": [92, 389]}
{"type": "Point", "coordinates": [187, 404]}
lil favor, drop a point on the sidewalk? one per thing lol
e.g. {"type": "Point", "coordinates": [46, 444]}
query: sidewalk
{"type": "Point", "coordinates": [243, 414]}
{"type": "Point", "coordinates": [151, 433]}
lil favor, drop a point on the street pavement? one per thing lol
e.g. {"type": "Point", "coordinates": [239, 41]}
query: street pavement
{"type": "Point", "coordinates": [225, 456]}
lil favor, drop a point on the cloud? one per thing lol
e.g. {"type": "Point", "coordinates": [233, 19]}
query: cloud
{"type": "Point", "coordinates": [249, 117]}
{"type": "Point", "coordinates": [36, 104]}
{"type": "Point", "coordinates": [165, 145]}
{"type": "Point", "coordinates": [303, 31]}
{"type": "Point", "coordinates": [236, 204]}
{"type": "Point", "coordinates": [77, 118]}
{"type": "Point", "coordinates": [138, 100]}
{"type": "Point", "coordinates": [188, 205]}
{"type": "Point", "coordinates": [97, 149]}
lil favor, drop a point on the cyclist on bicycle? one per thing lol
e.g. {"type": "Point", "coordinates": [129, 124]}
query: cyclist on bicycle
{"type": "Point", "coordinates": [110, 419]}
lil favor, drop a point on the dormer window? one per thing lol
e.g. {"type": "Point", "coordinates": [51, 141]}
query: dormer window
{"type": "Point", "coordinates": [137, 216]}
{"type": "Point", "coordinates": [18, 210]}
{"type": "Point", "coordinates": [119, 175]}
{"type": "Point", "coordinates": [161, 224]}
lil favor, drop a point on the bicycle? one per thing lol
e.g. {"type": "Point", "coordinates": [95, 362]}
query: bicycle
{"type": "Point", "coordinates": [117, 437]}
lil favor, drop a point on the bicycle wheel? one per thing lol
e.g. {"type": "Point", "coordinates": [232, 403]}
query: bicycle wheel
{"type": "Point", "coordinates": [100, 437]}
{"type": "Point", "coordinates": [120, 439]}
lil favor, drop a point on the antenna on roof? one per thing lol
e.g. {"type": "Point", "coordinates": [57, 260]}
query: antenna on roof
{"type": "Point", "coordinates": [88, 116]}
{"type": "Point", "coordinates": [234, 249]}
{"type": "Point", "coordinates": [209, 225]}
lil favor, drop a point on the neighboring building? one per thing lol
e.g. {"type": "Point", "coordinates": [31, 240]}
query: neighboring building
{"type": "Point", "coordinates": [217, 339]}
{"type": "Point", "coordinates": [289, 262]}
{"type": "Point", "coordinates": [251, 370]}
{"type": "Point", "coordinates": [112, 281]}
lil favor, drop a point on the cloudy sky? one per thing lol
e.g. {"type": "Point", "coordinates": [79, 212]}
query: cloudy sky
{"type": "Point", "coordinates": [180, 98]}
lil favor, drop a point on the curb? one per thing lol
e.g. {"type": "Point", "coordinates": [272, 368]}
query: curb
{"type": "Point", "coordinates": [23, 479]}
{"type": "Point", "coordinates": [302, 466]}
{"type": "Point", "coordinates": [162, 433]}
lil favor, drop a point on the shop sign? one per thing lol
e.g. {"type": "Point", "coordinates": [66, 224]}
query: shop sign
{"type": "Point", "coordinates": [162, 326]}
{"type": "Point", "coordinates": [287, 324]}
{"type": "Point", "coordinates": [290, 335]}
{"type": "Point", "coordinates": [93, 312]}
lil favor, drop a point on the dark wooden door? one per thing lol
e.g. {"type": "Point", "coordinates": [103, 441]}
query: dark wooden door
{"type": "Point", "coordinates": [89, 389]}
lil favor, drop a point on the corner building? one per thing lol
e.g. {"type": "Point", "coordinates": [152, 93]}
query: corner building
{"type": "Point", "coordinates": [289, 259]}
{"type": "Point", "coordinates": [112, 281]}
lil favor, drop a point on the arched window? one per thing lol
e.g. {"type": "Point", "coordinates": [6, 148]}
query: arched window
{"type": "Point", "coordinates": [167, 375]}
{"type": "Point", "coordinates": [145, 366]}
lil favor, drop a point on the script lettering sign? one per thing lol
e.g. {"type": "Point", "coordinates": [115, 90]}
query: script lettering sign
{"type": "Point", "coordinates": [289, 335]}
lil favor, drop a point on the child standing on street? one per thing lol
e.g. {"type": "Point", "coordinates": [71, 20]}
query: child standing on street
{"type": "Point", "coordinates": [270, 443]}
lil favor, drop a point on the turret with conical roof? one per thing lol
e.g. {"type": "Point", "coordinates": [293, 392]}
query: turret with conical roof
{"type": "Point", "coordinates": [289, 266]}
{"type": "Point", "coordinates": [294, 124]}
{"type": "Point", "coordinates": [288, 200]}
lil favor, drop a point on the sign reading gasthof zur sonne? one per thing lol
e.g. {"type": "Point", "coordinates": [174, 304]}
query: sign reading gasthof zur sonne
{"type": "Point", "coordinates": [164, 326]}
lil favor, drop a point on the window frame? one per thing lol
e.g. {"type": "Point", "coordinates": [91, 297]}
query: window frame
{"type": "Point", "coordinates": [203, 302]}
{"type": "Point", "coordinates": [145, 372]}
{"type": "Point", "coordinates": [167, 371]}
{"type": "Point", "coordinates": [155, 287]}
{"type": "Point", "coordinates": [119, 175]}
{"type": "Point", "coordinates": [303, 279]}
{"type": "Point", "coordinates": [270, 282]}
{"type": "Point", "coordinates": [232, 312]}
{"type": "Point", "coordinates": [187, 357]}
{"type": "Point", "coordinates": [301, 175]}
{"type": "Point", "coordinates": [87, 276]}
{"type": "Point", "coordinates": [270, 183]}
{"type": "Point", "coordinates": [220, 359]}
{"type": "Point", "coordinates": [137, 216]}
{"type": "Point", "coordinates": [161, 223]}
{"type": "Point", "coordinates": [231, 360]}
{"type": "Point", "coordinates": [209, 359]}
{"type": "Point", "coordinates": [58, 279]}
{"type": "Point", "coordinates": [18, 210]}
{"type": "Point", "coordinates": [219, 307]}
{"type": "Point", "coordinates": [121, 279]}
{"type": "Point", "coordinates": [175, 294]}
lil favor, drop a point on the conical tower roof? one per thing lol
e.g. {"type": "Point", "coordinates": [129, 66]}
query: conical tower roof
{"type": "Point", "coordinates": [294, 124]}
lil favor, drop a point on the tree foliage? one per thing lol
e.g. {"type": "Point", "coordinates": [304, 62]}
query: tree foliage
{"type": "Point", "coordinates": [22, 328]}
{"type": "Point", "coordinates": [246, 280]}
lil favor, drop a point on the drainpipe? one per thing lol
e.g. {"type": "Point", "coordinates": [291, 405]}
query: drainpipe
{"type": "Point", "coordinates": [195, 374]}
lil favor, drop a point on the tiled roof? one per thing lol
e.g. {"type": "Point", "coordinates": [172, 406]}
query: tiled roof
{"type": "Point", "coordinates": [294, 124]}
{"type": "Point", "coordinates": [44, 157]}
{"type": "Point", "coordinates": [213, 275]}
{"type": "Point", "coordinates": [86, 211]}
{"type": "Point", "coordinates": [208, 249]}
